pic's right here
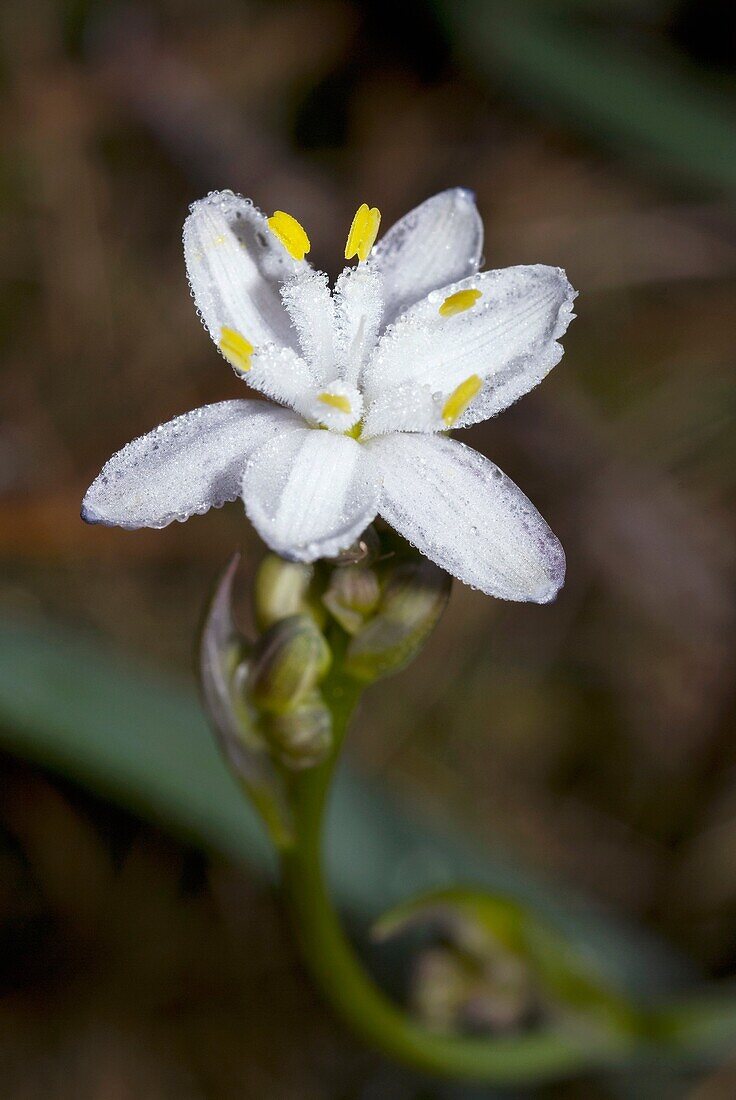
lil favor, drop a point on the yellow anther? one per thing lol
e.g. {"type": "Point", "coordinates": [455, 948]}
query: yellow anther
{"type": "Point", "coordinates": [335, 401]}
{"type": "Point", "coordinates": [460, 398]}
{"type": "Point", "coordinates": [236, 349]}
{"type": "Point", "coordinates": [363, 232]}
{"type": "Point", "coordinates": [459, 302]}
{"type": "Point", "coordinates": [291, 234]}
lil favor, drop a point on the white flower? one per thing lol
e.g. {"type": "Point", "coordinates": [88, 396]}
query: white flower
{"type": "Point", "coordinates": [367, 379]}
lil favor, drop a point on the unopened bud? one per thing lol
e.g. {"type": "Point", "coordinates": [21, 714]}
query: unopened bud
{"type": "Point", "coordinates": [411, 605]}
{"type": "Point", "coordinates": [453, 991]}
{"type": "Point", "coordinates": [284, 588]}
{"type": "Point", "coordinates": [352, 595]}
{"type": "Point", "coordinates": [301, 737]}
{"type": "Point", "coordinates": [225, 668]}
{"type": "Point", "coordinates": [502, 967]}
{"type": "Point", "coordinates": [288, 661]}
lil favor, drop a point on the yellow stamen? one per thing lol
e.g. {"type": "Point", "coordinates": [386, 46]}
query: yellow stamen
{"type": "Point", "coordinates": [336, 401]}
{"type": "Point", "coordinates": [460, 398]}
{"type": "Point", "coordinates": [459, 302]}
{"type": "Point", "coordinates": [236, 349]}
{"type": "Point", "coordinates": [291, 234]}
{"type": "Point", "coordinates": [363, 232]}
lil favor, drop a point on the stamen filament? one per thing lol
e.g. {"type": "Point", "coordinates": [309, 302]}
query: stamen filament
{"type": "Point", "coordinates": [363, 232]}
{"type": "Point", "coordinates": [460, 398]}
{"type": "Point", "coordinates": [459, 302]}
{"type": "Point", "coordinates": [291, 233]}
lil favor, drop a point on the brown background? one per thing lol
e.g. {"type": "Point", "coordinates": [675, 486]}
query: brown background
{"type": "Point", "coordinates": [592, 739]}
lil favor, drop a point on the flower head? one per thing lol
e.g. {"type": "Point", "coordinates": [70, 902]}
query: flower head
{"type": "Point", "coordinates": [364, 382]}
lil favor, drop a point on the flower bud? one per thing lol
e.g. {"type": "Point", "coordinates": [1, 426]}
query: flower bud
{"type": "Point", "coordinates": [500, 966]}
{"type": "Point", "coordinates": [412, 602]}
{"type": "Point", "coordinates": [352, 595]}
{"type": "Point", "coordinates": [225, 667]}
{"type": "Point", "coordinates": [454, 991]}
{"type": "Point", "coordinates": [283, 588]}
{"type": "Point", "coordinates": [288, 661]}
{"type": "Point", "coordinates": [301, 737]}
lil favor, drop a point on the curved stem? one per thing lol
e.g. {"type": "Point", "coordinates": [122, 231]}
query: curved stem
{"type": "Point", "coordinates": [360, 1003]}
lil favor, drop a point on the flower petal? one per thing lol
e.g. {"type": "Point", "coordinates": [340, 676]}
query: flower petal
{"type": "Point", "coordinates": [236, 268]}
{"type": "Point", "coordinates": [437, 243]}
{"type": "Point", "coordinates": [183, 467]}
{"type": "Point", "coordinates": [309, 493]}
{"type": "Point", "coordinates": [463, 513]}
{"type": "Point", "coordinates": [280, 374]}
{"type": "Point", "coordinates": [507, 337]}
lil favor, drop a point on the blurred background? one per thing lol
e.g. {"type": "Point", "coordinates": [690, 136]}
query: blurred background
{"type": "Point", "coordinates": [589, 746]}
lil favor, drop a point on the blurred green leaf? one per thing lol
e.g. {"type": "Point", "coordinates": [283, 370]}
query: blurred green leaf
{"type": "Point", "coordinates": [658, 108]}
{"type": "Point", "coordinates": [143, 743]}
{"type": "Point", "coordinates": [702, 1023]}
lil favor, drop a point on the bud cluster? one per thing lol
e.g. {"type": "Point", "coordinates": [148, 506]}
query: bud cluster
{"type": "Point", "coordinates": [362, 616]}
{"type": "Point", "coordinates": [288, 663]}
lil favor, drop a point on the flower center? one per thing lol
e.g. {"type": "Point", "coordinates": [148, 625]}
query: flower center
{"type": "Point", "coordinates": [337, 332]}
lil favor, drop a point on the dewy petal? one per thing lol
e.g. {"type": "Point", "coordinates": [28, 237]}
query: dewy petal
{"type": "Point", "coordinates": [309, 493]}
{"type": "Point", "coordinates": [184, 467]}
{"type": "Point", "coordinates": [508, 337]}
{"type": "Point", "coordinates": [437, 243]}
{"type": "Point", "coordinates": [405, 408]}
{"type": "Point", "coordinates": [236, 268]}
{"type": "Point", "coordinates": [464, 514]}
{"type": "Point", "coordinates": [280, 374]}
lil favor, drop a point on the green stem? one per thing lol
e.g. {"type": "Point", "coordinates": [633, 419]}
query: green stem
{"type": "Point", "coordinates": [360, 1003]}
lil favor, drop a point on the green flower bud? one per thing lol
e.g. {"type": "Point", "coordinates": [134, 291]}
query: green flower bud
{"type": "Point", "coordinates": [283, 588]}
{"type": "Point", "coordinates": [501, 964]}
{"type": "Point", "coordinates": [352, 596]}
{"type": "Point", "coordinates": [453, 991]}
{"type": "Point", "coordinates": [301, 737]}
{"type": "Point", "coordinates": [225, 668]}
{"type": "Point", "coordinates": [288, 661]}
{"type": "Point", "coordinates": [413, 600]}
